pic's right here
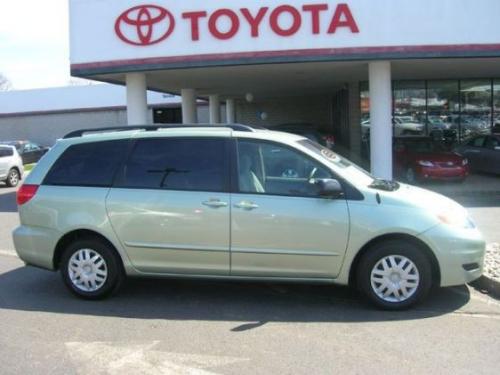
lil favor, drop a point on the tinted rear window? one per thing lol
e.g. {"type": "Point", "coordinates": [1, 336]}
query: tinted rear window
{"type": "Point", "coordinates": [196, 164]}
{"type": "Point", "coordinates": [4, 152]}
{"type": "Point", "coordinates": [87, 164]}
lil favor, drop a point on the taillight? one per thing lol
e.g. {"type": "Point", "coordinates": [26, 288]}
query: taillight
{"type": "Point", "coordinates": [25, 193]}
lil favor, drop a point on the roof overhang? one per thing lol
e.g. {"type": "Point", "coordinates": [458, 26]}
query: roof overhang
{"type": "Point", "coordinates": [235, 46]}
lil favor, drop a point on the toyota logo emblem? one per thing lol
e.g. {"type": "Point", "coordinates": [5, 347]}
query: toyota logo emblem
{"type": "Point", "coordinates": [144, 25]}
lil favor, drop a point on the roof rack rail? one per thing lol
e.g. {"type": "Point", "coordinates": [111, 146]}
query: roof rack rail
{"type": "Point", "coordinates": [80, 133]}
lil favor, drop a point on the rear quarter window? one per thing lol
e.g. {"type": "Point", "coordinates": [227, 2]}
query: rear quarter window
{"type": "Point", "coordinates": [88, 164]}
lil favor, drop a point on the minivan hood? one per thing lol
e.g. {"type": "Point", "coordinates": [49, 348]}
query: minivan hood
{"type": "Point", "coordinates": [412, 196]}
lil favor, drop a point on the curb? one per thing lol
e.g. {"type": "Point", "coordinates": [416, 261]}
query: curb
{"type": "Point", "coordinates": [490, 286]}
{"type": "Point", "coordinates": [8, 253]}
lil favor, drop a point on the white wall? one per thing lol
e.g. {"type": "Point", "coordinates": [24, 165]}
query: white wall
{"type": "Point", "coordinates": [73, 97]}
{"type": "Point", "coordinates": [46, 128]}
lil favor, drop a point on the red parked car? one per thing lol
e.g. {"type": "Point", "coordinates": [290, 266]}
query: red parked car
{"type": "Point", "coordinates": [419, 159]}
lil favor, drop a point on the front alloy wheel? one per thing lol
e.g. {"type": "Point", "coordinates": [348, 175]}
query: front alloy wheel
{"type": "Point", "coordinates": [395, 274]}
{"type": "Point", "coordinates": [395, 278]}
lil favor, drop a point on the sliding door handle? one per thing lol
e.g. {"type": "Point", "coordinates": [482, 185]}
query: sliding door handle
{"type": "Point", "coordinates": [246, 205]}
{"type": "Point", "coordinates": [215, 203]}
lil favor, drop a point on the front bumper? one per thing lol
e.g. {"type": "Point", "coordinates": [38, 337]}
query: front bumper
{"type": "Point", "coordinates": [445, 174]}
{"type": "Point", "coordinates": [459, 252]}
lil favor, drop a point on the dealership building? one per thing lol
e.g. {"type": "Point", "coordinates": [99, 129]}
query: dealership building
{"type": "Point", "coordinates": [363, 70]}
{"type": "Point", "coordinates": [44, 115]}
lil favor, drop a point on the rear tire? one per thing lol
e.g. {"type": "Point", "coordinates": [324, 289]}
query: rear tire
{"type": "Point", "coordinates": [91, 269]}
{"type": "Point", "coordinates": [13, 178]}
{"type": "Point", "coordinates": [394, 275]}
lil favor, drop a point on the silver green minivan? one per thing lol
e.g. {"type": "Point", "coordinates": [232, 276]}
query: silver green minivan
{"type": "Point", "coordinates": [236, 203]}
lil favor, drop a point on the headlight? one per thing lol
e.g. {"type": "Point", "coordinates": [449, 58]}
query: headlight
{"type": "Point", "coordinates": [425, 163]}
{"type": "Point", "coordinates": [456, 218]}
{"type": "Point", "coordinates": [465, 162]}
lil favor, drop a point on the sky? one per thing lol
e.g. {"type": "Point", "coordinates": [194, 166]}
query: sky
{"type": "Point", "coordinates": [34, 43]}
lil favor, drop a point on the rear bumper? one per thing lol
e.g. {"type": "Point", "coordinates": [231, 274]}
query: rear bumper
{"type": "Point", "coordinates": [460, 253]}
{"type": "Point", "coordinates": [35, 245]}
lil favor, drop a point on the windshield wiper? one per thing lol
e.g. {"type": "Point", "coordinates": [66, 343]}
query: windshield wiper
{"type": "Point", "coordinates": [385, 185]}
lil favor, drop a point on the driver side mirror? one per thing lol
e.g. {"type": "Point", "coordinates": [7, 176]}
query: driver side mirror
{"type": "Point", "coordinates": [329, 188]}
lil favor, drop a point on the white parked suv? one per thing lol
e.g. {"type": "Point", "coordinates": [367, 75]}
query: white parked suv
{"type": "Point", "coordinates": [11, 166]}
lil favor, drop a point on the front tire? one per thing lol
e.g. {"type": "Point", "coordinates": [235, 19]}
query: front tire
{"type": "Point", "coordinates": [13, 178]}
{"type": "Point", "coordinates": [394, 275]}
{"type": "Point", "coordinates": [91, 269]}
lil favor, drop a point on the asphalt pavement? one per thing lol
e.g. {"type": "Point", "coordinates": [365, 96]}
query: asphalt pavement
{"type": "Point", "coordinates": [201, 327]}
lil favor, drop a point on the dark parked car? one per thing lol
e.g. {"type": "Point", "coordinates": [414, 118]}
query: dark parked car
{"type": "Point", "coordinates": [30, 152]}
{"type": "Point", "coordinates": [446, 137]}
{"type": "Point", "coordinates": [483, 153]}
{"type": "Point", "coordinates": [421, 159]}
{"type": "Point", "coordinates": [309, 131]}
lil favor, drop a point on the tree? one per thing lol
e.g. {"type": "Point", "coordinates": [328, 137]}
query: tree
{"type": "Point", "coordinates": [5, 84]}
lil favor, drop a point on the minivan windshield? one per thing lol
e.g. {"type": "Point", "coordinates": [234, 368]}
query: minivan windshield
{"type": "Point", "coordinates": [349, 170]}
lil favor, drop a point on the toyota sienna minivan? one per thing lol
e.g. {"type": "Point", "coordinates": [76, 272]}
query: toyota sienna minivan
{"type": "Point", "coordinates": [236, 203]}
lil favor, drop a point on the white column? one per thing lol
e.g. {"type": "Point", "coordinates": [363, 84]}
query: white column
{"type": "Point", "coordinates": [230, 111]}
{"type": "Point", "coordinates": [214, 108]}
{"type": "Point", "coordinates": [381, 119]}
{"type": "Point", "coordinates": [137, 100]}
{"type": "Point", "coordinates": [189, 109]}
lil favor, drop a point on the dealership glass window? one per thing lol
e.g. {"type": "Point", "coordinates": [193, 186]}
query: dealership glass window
{"type": "Point", "coordinates": [409, 98]}
{"type": "Point", "coordinates": [443, 110]}
{"type": "Point", "coordinates": [496, 105]}
{"type": "Point", "coordinates": [451, 110]}
{"type": "Point", "coordinates": [365, 119]}
{"type": "Point", "coordinates": [167, 116]}
{"type": "Point", "coordinates": [476, 107]}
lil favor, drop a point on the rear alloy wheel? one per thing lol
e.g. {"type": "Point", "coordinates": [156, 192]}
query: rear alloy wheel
{"type": "Point", "coordinates": [91, 269]}
{"type": "Point", "coordinates": [395, 275]}
{"type": "Point", "coordinates": [13, 178]}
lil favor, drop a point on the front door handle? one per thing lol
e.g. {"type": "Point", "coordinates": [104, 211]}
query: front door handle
{"type": "Point", "coordinates": [246, 205]}
{"type": "Point", "coordinates": [215, 203]}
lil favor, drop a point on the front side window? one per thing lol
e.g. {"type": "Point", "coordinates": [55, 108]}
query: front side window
{"type": "Point", "coordinates": [193, 164]}
{"type": "Point", "coordinates": [270, 168]}
{"type": "Point", "coordinates": [87, 164]}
